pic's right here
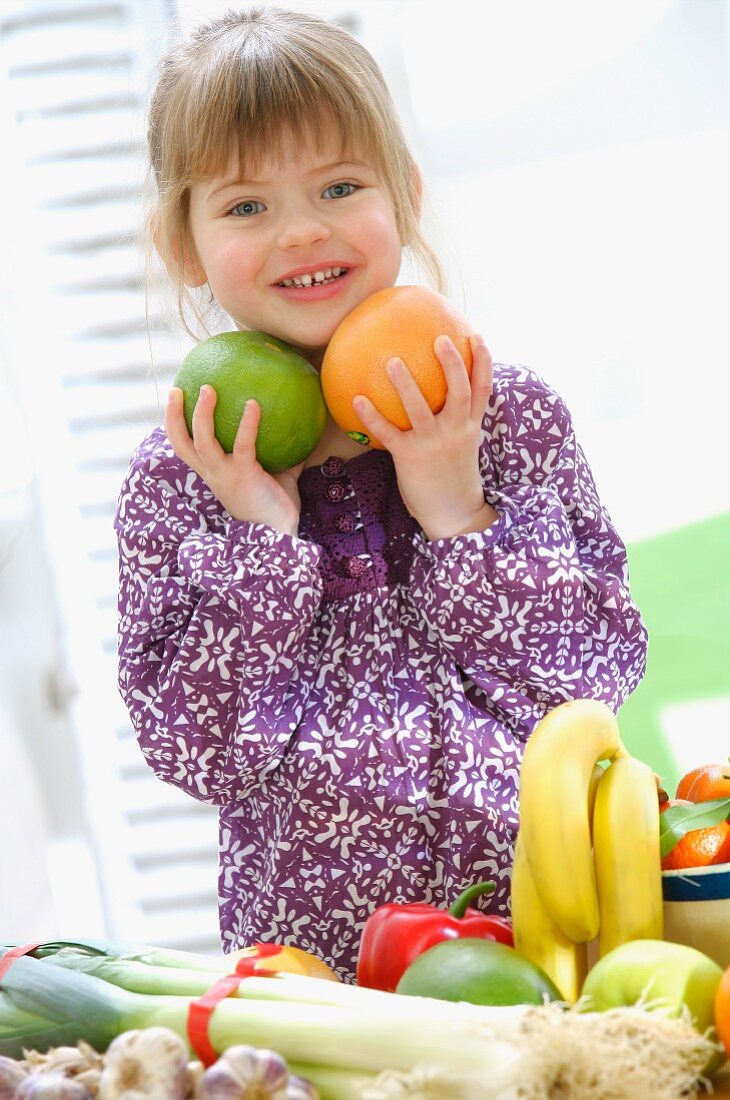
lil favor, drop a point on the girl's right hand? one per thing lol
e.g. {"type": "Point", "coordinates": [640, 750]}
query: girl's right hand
{"type": "Point", "coordinates": [238, 480]}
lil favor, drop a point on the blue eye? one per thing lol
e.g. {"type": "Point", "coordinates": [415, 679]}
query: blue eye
{"type": "Point", "coordinates": [248, 208]}
{"type": "Point", "coordinates": [341, 190]}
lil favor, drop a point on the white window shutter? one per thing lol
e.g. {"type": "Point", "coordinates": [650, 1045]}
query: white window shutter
{"type": "Point", "coordinates": [76, 76]}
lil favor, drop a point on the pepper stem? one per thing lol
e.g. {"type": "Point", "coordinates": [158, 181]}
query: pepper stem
{"type": "Point", "coordinates": [459, 907]}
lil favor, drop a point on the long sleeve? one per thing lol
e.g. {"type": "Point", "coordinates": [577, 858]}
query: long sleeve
{"type": "Point", "coordinates": [537, 609]}
{"type": "Point", "coordinates": [214, 616]}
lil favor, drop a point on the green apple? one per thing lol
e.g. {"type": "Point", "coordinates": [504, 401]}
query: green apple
{"type": "Point", "coordinates": [664, 975]}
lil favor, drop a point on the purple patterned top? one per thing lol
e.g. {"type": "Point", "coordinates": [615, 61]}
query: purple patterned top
{"type": "Point", "coordinates": [356, 700]}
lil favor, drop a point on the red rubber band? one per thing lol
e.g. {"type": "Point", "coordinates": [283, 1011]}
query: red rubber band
{"type": "Point", "coordinates": [14, 953]}
{"type": "Point", "coordinates": [201, 1009]}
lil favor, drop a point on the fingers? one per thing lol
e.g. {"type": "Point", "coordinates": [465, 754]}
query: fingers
{"type": "Point", "coordinates": [375, 423]}
{"type": "Point", "coordinates": [417, 408]}
{"type": "Point", "coordinates": [177, 429]}
{"type": "Point", "coordinates": [458, 394]}
{"type": "Point", "coordinates": [206, 444]}
{"type": "Point", "coordinates": [481, 377]}
{"type": "Point", "coordinates": [245, 442]}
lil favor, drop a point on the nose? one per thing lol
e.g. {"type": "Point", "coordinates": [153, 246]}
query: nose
{"type": "Point", "coordinates": [301, 227]}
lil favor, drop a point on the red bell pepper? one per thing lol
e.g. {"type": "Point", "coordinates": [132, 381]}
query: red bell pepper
{"type": "Point", "coordinates": [394, 935]}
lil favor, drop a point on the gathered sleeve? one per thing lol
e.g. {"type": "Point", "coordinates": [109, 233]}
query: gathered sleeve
{"type": "Point", "coordinates": [214, 616]}
{"type": "Point", "coordinates": [536, 610]}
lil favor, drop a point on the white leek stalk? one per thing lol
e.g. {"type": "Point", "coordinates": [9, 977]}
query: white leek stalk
{"type": "Point", "coordinates": [354, 1038]}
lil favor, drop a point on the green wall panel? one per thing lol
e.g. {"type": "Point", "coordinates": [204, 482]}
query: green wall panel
{"type": "Point", "coordinates": [681, 582]}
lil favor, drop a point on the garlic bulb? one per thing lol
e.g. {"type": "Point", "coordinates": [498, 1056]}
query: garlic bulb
{"type": "Point", "coordinates": [245, 1073]}
{"type": "Point", "coordinates": [149, 1064]}
{"type": "Point", "coordinates": [50, 1086]}
{"type": "Point", "coordinates": [11, 1075]}
{"type": "Point", "coordinates": [299, 1089]}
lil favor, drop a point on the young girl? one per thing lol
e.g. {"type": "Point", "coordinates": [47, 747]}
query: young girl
{"type": "Point", "coordinates": [346, 658]}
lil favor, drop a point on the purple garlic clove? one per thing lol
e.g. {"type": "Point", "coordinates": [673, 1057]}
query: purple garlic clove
{"type": "Point", "coordinates": [11, 1075]}
{"type": "Point", "coordinates": [50, 1086]}
{"type": "Point", "coordinates": [298, 1088]}
{"type": "Point", "coordinates": [242, 1071]}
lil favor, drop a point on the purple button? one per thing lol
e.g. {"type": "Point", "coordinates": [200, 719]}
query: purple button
{"type": "Point", "coordinates": [355, 567]}
{"type": "Point", "coordinates": [345, 523]}
{"type": "Point", "coordinates": [333, 466]}
{"type": "Point", "coordinates": [336, 491]}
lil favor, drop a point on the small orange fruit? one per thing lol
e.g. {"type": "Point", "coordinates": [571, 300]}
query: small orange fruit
{"type": "Point", "coordinates": [706, 782]}
{"type": "Point", "coordinates": [700, 848]}
{"type": "Point", "coordinates": [713, 781]}
{"type": "Point", "coordinates": [722, 1010]}
{"type": "Point", "coordinates": [402, 322]}
{"type": "Point", "coordinates": [687, 780]}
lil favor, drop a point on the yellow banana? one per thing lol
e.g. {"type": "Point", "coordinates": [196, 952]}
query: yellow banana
{"type": "Point", "coordinates": [555, 780]}
{"type": "Point", "coordinates": [538, 938]}
{"type": "Point", "coordinates": [596, 776]}
{"type": "Point", "coordinates": [626, 855]}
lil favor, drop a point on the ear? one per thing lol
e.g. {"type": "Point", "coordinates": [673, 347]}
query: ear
{"type": "Point", "coordinates": [184, 254]}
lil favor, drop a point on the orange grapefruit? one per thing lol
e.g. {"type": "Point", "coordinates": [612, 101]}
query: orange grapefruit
{"type": "Point", "coordinates": [243, 365]}
{"type": "Point", "coordinates": [402, 322]}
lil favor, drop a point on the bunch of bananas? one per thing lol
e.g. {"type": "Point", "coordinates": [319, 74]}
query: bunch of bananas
{"type": "Point", "coordinates": [587, 862]}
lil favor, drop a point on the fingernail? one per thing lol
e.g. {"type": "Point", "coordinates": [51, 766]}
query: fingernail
{"type": "Point", "coordinates": [445, 343]}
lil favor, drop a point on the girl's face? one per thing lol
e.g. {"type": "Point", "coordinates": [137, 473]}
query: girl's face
{"type": "Point", "coordinates": [270, 248]}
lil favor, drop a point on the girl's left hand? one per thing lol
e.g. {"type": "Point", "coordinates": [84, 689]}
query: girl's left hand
{"type": "Point", "coordinates": [437, 459]}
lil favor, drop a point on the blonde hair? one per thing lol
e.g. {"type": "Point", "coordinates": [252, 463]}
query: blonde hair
{"type": "Point", "coordinates": [249, 78]}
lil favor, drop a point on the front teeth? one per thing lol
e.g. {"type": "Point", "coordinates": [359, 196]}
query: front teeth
{"type": "Point", "coordinates": [318, 277]}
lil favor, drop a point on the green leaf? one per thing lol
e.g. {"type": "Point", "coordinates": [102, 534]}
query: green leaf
{"type": "Point", "coordinates": [678, 820]}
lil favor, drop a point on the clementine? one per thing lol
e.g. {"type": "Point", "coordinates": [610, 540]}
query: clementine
{"type": "Point", "coordinates": [722, 1010]}
{"type": "Point", "coordinates": [706, 782]}
{"type": "Point", "coordinates": [402, 322]}
{"type": "Point", "coordinates": [713, 781]}
{"type": "Point", "coordinates": [700, 848]}
{"type": "Point", "coordinates": [687, 780]}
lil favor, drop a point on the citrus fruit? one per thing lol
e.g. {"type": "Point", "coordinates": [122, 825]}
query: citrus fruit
{"type": "Point", "coordinates": [482, 972]}
{"type": "Point", "coordinates": [687, 780]}
{"type": "Point", "coordinates": [244, 365]}
{"type": "Point", "coordinates": [722, 1010]}
{"type": "Point", "coordinates": [700, 848]}
{"type": "Point", "coordinates": [400, 321]}
{"type": "Point", "coordinates": [281, 959]}
{"type": "Point", "coordinates": [712, 781]}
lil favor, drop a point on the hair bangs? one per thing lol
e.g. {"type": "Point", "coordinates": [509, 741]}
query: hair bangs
{"type": "Point", "coordinates": [242, 112]}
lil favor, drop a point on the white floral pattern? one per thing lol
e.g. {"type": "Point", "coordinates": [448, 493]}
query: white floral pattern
{"type": "Point", "coordinates": [356, 700]}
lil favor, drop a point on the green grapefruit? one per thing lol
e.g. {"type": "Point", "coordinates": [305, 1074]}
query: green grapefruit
{"type": "Point", "coordinates": [482, 972]}
{"type": "Point", "coordinates": [244, 365]}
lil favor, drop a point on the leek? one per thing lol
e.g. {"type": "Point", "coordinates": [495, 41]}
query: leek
{"type": "Point", "coordinates": [138, 977]}
{"type": "Point", "coordinates": [340, 1046]}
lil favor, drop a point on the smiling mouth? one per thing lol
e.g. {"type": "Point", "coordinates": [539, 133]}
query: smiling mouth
{"type": "Point", "coordinates": [317, 278]}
